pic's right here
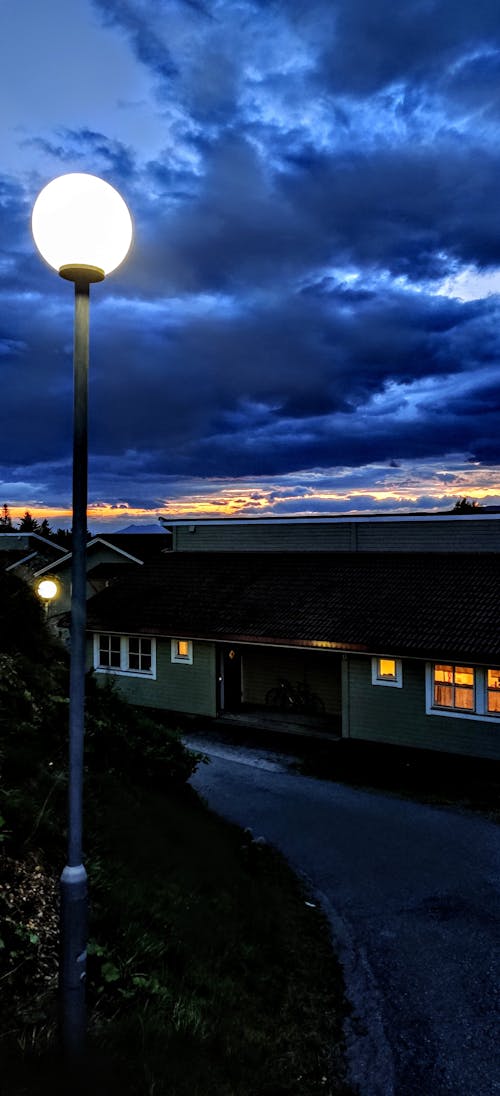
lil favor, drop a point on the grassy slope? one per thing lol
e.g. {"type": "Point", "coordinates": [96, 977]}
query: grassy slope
{"type": "Point", "coordinates": [208, 973]}
{"type": "Point", "coordinates": [210, 976]}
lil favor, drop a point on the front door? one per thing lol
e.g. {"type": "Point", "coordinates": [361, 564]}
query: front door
{"type": "Point", "coordinates": [230, 680]}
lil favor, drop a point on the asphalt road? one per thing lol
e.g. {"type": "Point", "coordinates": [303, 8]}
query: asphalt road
{"type": "Point", "coordinates": [412, 893]}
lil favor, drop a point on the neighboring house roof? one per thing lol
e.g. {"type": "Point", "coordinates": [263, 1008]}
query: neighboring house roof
{"type": "Point", "coordinates": [36, 548]}
{"type": "Point", "coordinates": [41, 542]}
{"type": "Point", "coordinates": [11, 559]}
{"type": "Point", "coordinates": [425, 604]}
{"type": "Point", "coordinates": [90, 545]}
{"type": "Point", "coordinates": [334, 519]}
{"type": "Point", "coordinates": [144, 546]}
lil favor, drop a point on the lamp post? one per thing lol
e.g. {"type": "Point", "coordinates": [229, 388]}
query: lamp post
{"type": "Point", "coordinates": [83, 229]}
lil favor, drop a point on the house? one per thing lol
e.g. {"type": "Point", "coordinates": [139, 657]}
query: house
{"type": "Point", "coordinates": [400, 646]}
{"type": "Point", "coordinates": [25, 553]}
{"type": "Point", "coordinates": [108, 558]}
{"type": "Point", "coordinates": [374, 533]}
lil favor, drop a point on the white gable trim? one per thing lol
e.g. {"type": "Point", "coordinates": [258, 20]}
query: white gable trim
{"type": "Point", "coordinates": [91, 544]}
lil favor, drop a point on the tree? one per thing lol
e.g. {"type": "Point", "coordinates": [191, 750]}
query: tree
{"type": "Point", "coordinates": [465, 506]}
{"type": "Point", "coordinates": [5, 518]}
{"type": "Point", "coordinates": [28, 524]}
{"type": "Point", "coordinates": [45, 530]}
{"type": "Point", "coordinates": [64, 537]}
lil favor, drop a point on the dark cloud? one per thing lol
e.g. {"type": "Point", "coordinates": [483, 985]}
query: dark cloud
{"type": "Point", "coordinates": [110, 157]}
{"type": "Point", "coordinates": [150, 47]}
{"type": "Point", "coordinates": [319, 171]}
{"type": "Point", "coordinates": [367, 47]}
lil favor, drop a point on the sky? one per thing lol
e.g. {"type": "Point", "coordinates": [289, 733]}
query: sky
{"type": "Point", "coordinates": [309, 319]}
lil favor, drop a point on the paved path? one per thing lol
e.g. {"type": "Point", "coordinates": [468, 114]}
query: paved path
{"type": "Point", "coordinates": [413, 896]}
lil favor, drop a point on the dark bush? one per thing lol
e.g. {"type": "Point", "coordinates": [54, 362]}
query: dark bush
{"type": "Point", "coordinates": [124, 739]}
{"type": "Point", "coordinates": [34, 711]}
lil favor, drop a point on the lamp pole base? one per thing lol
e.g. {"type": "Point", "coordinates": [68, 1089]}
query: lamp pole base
{"type": "Point", "coordinates": [73, 967]}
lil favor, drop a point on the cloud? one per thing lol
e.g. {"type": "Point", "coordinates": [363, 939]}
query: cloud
{"type": "Point", "coordinates": [317, 185]}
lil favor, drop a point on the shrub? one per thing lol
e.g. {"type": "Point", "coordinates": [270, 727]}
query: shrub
{"type": "Point", "coordinates": [123, 739]}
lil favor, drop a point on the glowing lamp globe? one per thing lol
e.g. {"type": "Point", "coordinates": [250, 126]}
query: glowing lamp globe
{"type": "Point", "coordinates": [81, 227]}
{"type": "Point", "coordinates": [47, 589]}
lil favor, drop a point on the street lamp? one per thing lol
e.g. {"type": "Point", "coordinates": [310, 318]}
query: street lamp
{"type": "Point", "coordinates": [47, 589]}
{"type": "Point", "coordinates": [83, 229]}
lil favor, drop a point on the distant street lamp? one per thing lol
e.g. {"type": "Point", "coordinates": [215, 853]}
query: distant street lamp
{"type": "Point", "coordinates": [83, 229]}
{"type": "Point", "coordinates": [47, 589]}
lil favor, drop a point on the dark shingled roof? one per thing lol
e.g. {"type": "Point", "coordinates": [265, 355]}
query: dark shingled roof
{"type": "Point", "coordinates": [144, 546]}
{"type": "Point", "coordinates": [423, 604]}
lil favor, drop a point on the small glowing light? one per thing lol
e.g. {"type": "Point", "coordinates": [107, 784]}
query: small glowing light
{"type": "Point", "coordinates": [387, 667]}
{"type": "Point", "coordinates": [80, 220]}
{"type": "Point", "coordinates": [47, 589]}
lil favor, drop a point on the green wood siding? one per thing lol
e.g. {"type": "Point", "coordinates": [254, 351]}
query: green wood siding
{"type": "Point", "coordinates": [262, 668]}
{"type": "Point", "coordinates": [378, 713]}
{"type": "Point", "coordinates": [469, 533]}
{"type": "Point", "coordinates": [178, 688]}
{"type": "Point", "coordinates": [257, 538]}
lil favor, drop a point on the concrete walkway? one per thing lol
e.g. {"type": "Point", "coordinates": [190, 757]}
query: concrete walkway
{"type": "Point", "coordinates": [413, 897]}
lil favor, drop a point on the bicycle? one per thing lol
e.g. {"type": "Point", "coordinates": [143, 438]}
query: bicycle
{"type": "Point", "coordinates": [286, 697]}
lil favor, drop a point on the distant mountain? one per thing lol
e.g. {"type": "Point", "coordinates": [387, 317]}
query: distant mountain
{"type": "Point", "coordinates": [142, 529]}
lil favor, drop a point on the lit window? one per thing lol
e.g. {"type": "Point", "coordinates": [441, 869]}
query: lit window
{"type": "Point", "coordinates": [181, 650]}
{"type": "Point", "coordinates": [454, 687]}
{"type": "Point", "coordinates": [493, 691]}
{"type": "Point", "coordinates": [387, 671]}
{"type": "Point", "coordinates": [465, 692]}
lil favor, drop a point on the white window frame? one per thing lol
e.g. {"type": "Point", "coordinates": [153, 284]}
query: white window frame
{"type": "Point", "coordinates": [480, 712]}
{"type": "Point", "coordinates": [395, 682]}
{"type": "Point", "coordinates": [186, 660]}
{"type": "Point", "coordinates": [124, 670]}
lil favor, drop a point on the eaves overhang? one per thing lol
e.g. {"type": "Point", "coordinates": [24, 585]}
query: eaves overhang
{"type": "Point", "coordinates": [430, 654]}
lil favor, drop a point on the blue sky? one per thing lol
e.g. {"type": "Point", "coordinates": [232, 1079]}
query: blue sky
{"type": "Point", "coordinates": [309, 320]}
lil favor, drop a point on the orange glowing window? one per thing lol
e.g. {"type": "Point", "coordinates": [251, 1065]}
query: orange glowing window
{"type": "Point", "coordinates": [387, 671]}
{"type": "Point", "coordinates": [182, 650]}
{"type": "Point", "coordinates": [493, 691]}
{"type": "Point", "coordinates": [454, 687]}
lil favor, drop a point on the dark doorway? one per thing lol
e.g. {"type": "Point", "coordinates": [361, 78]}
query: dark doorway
{"type": "Point", "coordinates": [230, 680]}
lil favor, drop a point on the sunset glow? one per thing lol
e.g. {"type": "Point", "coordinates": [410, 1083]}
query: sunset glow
{"type": "Point", "coordinates": [301, 494]}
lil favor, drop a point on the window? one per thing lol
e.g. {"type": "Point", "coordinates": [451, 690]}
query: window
{"type": "Point", "coordinates": [181, 650]}
{"type": "Point", "coordinates": [387, 671]}
{"type": "Point", "coordinates": [493, 691]}
{"type": "Point", "coordinates": [134, 656]}
{"type": "Point", "coordinates": [454, 687]}
{"type": "Point", "coordinates": [466, 692]}
{"type": "Point", "coordinates": [139, 654]}
{"type": "Point", "coordinates": [109, 651]}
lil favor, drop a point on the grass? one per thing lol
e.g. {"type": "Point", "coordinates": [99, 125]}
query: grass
{"type": "Point", "coordinates": [209, 973]}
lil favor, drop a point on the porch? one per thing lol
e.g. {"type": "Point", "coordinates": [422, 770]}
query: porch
{"type": "Point", "coordinates": [250, 717]}
{"type": "Point", "coordinates": [251, 683]}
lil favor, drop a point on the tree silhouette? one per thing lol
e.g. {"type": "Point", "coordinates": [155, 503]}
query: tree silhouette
{"type": "Point", "coordinates": [28, 524]}
{"type": "Point", "coordinates": [465, 506]}
{"type": "Point", "coordinates": [45, 530]}
{"type": "Point", "coordinates": [5, 518]}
